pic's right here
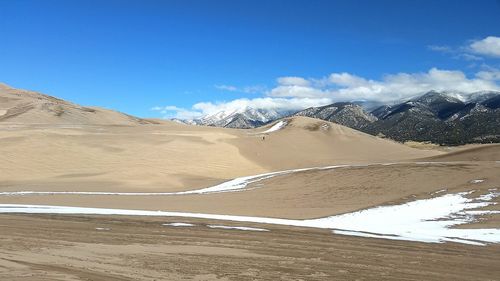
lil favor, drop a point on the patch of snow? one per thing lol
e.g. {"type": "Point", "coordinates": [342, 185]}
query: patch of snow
{"type": "Point", "coordinates": [178, 224]}
{"type": "Point", "coordinates": [487, 197]}
{"type": "Point", "coordinates": [103, 228]}
{"type": "Point", "coordinates": [391, 237]}
{"type": "Point", "coordinates": [238, 228]}
{"type": "Point", "coordinates": [476, 181]}
{"type": "Point", "coordinates": [223, 118]}
{"type": "Point", "coordinates": [426, 220]}
{"type": "Point", "coordinates": [439, 191]}
{"type": "Point", "coordinates": [275, 127]}
{"type": "Point", "coordinates": [480, 213]}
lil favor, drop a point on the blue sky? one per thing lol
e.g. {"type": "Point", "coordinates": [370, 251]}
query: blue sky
{"type": "Point", "coordinates": [188, 58]}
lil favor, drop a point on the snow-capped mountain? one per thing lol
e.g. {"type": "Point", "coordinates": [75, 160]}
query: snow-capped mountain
{"type": "Point", "coordinates": [344, 113]}
{"type": "Point", "coordinates": [443, 117]}
{"type": "Point", "coordinates": [241, 118]}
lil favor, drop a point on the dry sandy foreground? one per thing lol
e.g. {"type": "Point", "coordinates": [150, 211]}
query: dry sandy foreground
{"type": "Point", "coordinates": [120, 248]}
{"type": "Point", "coordinates": [172, 157]}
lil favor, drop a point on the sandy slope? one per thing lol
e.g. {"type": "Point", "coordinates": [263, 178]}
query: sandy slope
{"type": "Point", "coordinates": [147, 157]}
{"type": "Point", "coordinates": [42, 248]}
{"type": "Point", "coordinates": [171, 156]}
{"type": "Point", "coordinates": [306, 142]}
{"type": "Point", "coordinates": [50, 144]}
{"type": "Point", "coordinates": [28, 107]}
{"type": "Point", "coordinates": [304, 195]}
{"type": "Point", "coordinates": [485, 152]}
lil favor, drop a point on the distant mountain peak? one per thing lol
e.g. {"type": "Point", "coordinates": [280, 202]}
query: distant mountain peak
{"type": "Point", "coordinates": [444, 117]}
{"type": "Point", "coordinates": [243, 118]}
{"type": "Point", "coordinates": [343, 113]}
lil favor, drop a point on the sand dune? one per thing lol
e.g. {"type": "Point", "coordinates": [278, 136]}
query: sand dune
{"type": "Point", "coordinates": [306, 142]}
{"type": "Point", "coordinates": [28, 107]}
{"type": "Point", "coordinates": [171, 156]}
{"type": "Point", "coordinates": [166, 157]}
{"type": "Point", "coordinates": [487, 152]}
{"type": "Point", "coordinates": [51, 144]}
{"type": "Point", "coordinates": [303, 195]}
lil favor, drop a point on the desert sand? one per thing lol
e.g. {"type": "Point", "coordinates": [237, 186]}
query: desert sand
{"type": "Point", "coordinates": [47, 144]}
{"type": "Point", "coordinates": [41, 150]}
{"type": "Point", "coordinates": [303, 195]}
{"type": "Point", "coordinates": [39, 248]}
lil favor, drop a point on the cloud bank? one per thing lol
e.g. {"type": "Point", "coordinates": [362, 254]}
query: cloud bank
{"type": "Point", "coordinates": [489, 46]}
{"type": "Point", "coordinates": [296, 93]}
{"type": "Point", "coordinates": [474, 50]}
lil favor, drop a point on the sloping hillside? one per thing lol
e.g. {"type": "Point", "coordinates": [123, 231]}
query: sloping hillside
{"type": "Point", "coordinates": [27, 107]}
{"type": "Point", "coordinates": [305, 142]}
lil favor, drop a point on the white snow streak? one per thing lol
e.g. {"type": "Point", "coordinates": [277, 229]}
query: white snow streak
{"type": "Point", "coordinates": [178, 224]}
{"type": "Point", "coordinates": [476, 181]}
{"type": "Point", "coordinates": [427, 220]}
{"type": "Point", "coordinates": [278, 126]}
{"type": "Point", "coordinates": [238, 227]}
{"type": "Point", "coordinates": [439, 191]}
{"type": "Point", "coordinates": [237, 184]}
{"type": "Point", "coordinates": [228, 186]}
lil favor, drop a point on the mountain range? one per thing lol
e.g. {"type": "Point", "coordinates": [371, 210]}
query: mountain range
{"type": "Point", "coordinates": [442, 118]}
{"type": "Point", "coordinates": [244, 118]}
{"type": "Point", "coordinates": [447, 118]}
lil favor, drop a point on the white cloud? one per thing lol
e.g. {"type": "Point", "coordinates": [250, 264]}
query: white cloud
{"type": "Point", "coordinates": [246, 89]}
{"type": "Point", "coordinates": [490, 74]}
{"type": "Point", "coordinates": [172, 111]}
{"type": "Point", "coordinates": [489, 46]}
{"type": "Point", "coordinates": [471, 51]}
{"type": "Point", "coordinates": [467, 57]}
{"type": "Point", "coordinates": [226, 88]}
{"type": "Point", "coordinates": [293, 81]}
{"type": "Point", "coordinates": [440, 48]}
{"type": "Point", "coordinates": [346, 79]}
{"type": "Point", "coordinates": [347, 87]}
{"type": "Point", "coordinates": [279, 104]}
{"type": "Point", "coordinates": [297, 92]}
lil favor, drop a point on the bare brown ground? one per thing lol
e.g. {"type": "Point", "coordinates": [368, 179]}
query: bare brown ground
{"type": "Point", "coordinates": [485, 152]}
{"type": "Point", "coordinates": [306, 194]}
{"type": "Point", "coordinates": [42, 248]}
{"type": "Point", "coordinates": [173, 157]}
{"type": "Point", "coordinates": [148, 157]}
